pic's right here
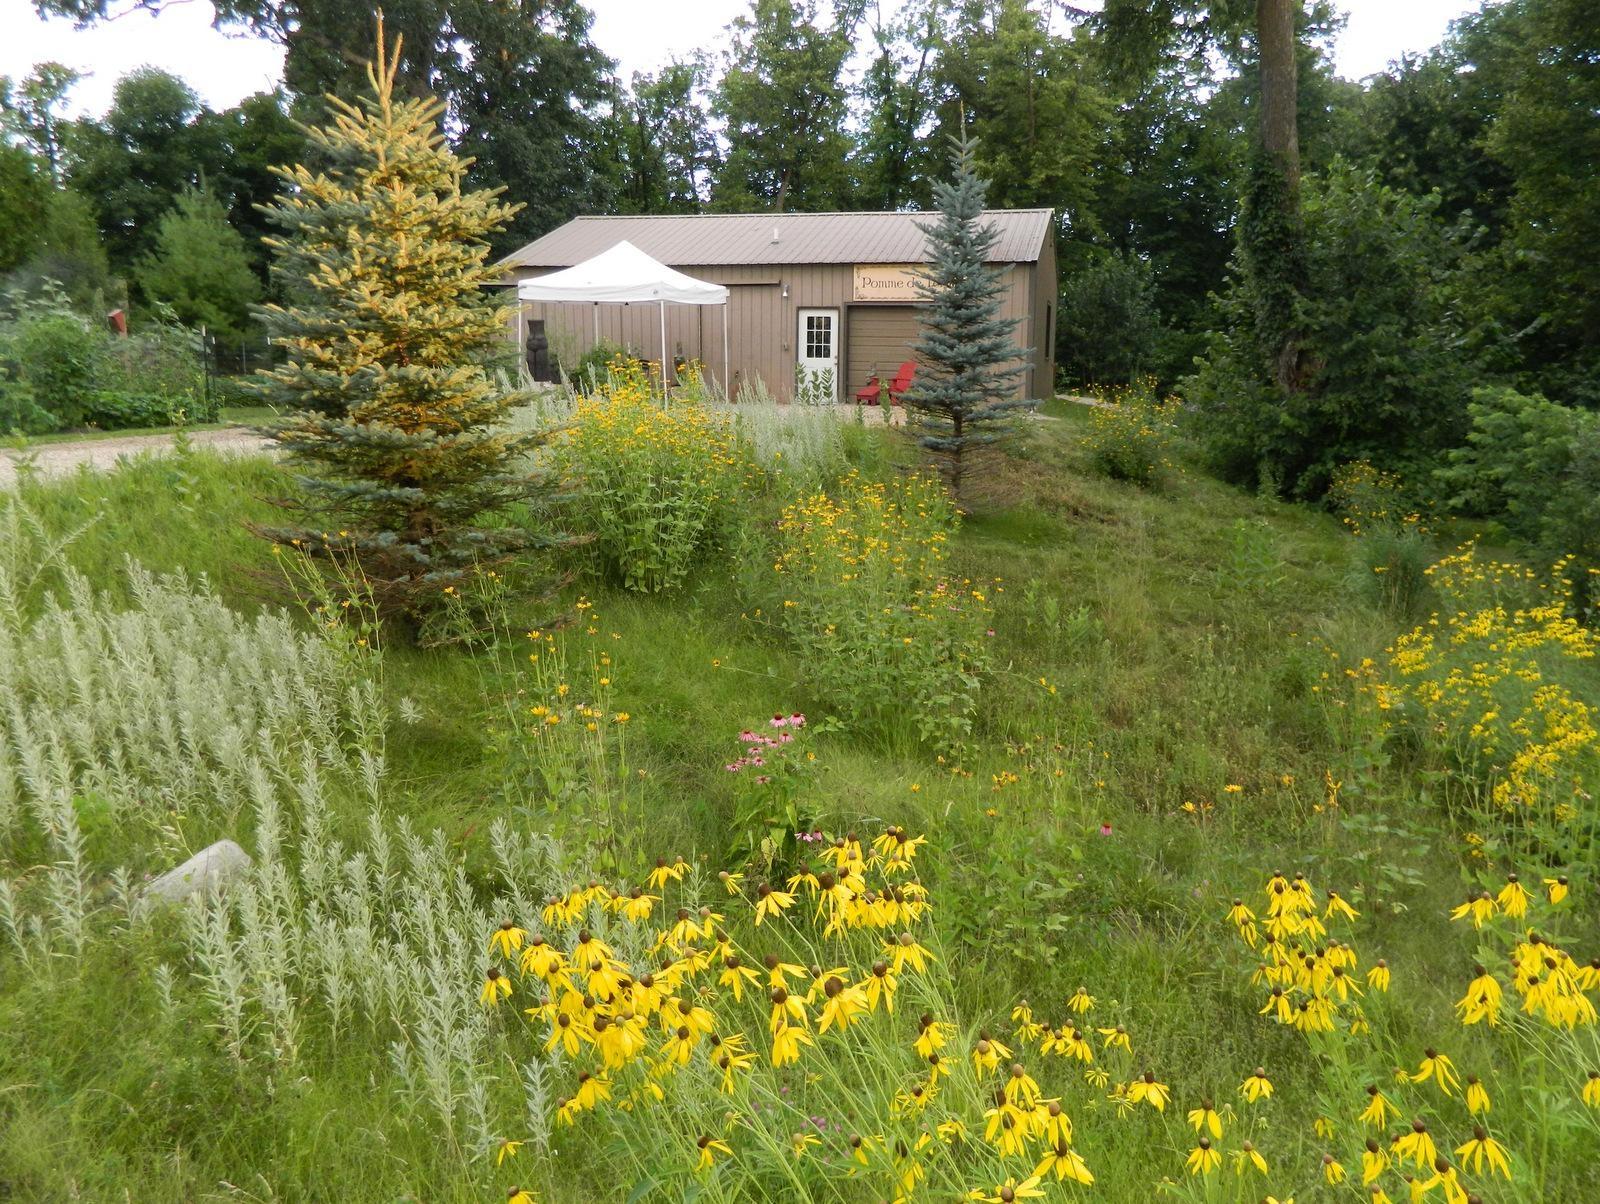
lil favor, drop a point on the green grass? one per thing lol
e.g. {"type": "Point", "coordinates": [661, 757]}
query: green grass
{"type": "Point", "coordinates": [1153, 648]}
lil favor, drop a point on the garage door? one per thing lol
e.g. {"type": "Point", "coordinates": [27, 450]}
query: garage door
{"type": "Point", "coordinates": [877, 340]}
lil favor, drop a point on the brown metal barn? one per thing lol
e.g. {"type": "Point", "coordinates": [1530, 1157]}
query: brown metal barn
{"type": "Point", "coordinates": [829, 289]}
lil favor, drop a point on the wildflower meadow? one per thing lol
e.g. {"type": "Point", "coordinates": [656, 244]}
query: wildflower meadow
{"type": "Point", "coordinates": [817, 841]}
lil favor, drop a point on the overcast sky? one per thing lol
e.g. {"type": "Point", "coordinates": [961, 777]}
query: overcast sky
{"type": "Point", "coordinates": [639, 34]}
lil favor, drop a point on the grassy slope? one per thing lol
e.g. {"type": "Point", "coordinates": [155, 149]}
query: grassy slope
{"type": "Point", "coordinates": [1174, 633]}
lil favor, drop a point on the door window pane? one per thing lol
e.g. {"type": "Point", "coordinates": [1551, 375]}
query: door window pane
{"type": "Point", "coordinates": [819, 336]}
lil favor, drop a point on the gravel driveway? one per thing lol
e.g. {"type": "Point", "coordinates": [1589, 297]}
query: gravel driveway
{"type": "Point", "coordinates": [62, 459]}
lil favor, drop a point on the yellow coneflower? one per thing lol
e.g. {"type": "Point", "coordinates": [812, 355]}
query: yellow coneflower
{"type": "Point", "coordinates": [1337, 906]}
{"type": "Point", "coordinates": [905, 951]}
{"type": "Point", "coordinates": [1556, 888]}
{"type": "Point", "coordinates": [1063, 1162]}
{"type": "Point", "coordinates": [1145, 1089]}
{"type": "Point", "coordinates": [1513, 898]}
{"type": "Point", "coordinates": [842, 1003]}
{"type": "Point", "coordinates": [1591, 1090]}
{"type": "Point", "coordinates": [506, 1149]}
{"type": "Point", "coordinates": [496, 986]}
{"type": "Point", "coordinates": [931, 1037]}
{"type": "Point", "coordinates": [1203, 1159]}
{"type": "Point", "coordinates": [1379, 1110]}
{"type": "Point", "coordinates": [1080, 1001]}
{"type": "Point", "coordinates": [786, 1043]}
{"type": "Point", "coordinates": [1477, 1097]}
{"type": "Point", "coordinates": [1332, 1169]}
{"type": "Point", "coordinates": [1257, 1085]}
{"type": "Point", "coordinates": [1483, 1148]}
{"type": "Point", "coordinates": [734, 975]}
{"type": "Point", "coordinates": [1374, 1161]}
{"type": "Point", "coordinates": [1378, 976]}
{"type": "Point", "coordinates": [1011, 1190]}
{"type": "Point", "coordinates": [1246, 1157]}
{"type": "Point", "coordinates": [636, 905]}
{"type": "Point", "coordinates": [666, 872]}
{"type": "Point", "coordinates": [1482, 1000]}
{"type": "Point", "coordinates": [1117, 1037]}
{"type": "Point", "coordinates": [1479, 907]}
{"type": "Point", "coordinates": [730, 882]}
{"type": "Point", "coordinates": [506, 939]}
{"type": "Point", "coordinates": [770, 902]}
{"type": "Point", "coordinates": [709, 1148]}
{"type": "Point", "coordinates": [1205, 1117]}
{"type": "Point", "coordinates": [1439, 1068]}
{"type": "Point", "coordinates": [1416, 1145]}
{"type": "Point", "coordinates": [541, 959]}
{"type": "Point", "coordinates": [519, 1195]}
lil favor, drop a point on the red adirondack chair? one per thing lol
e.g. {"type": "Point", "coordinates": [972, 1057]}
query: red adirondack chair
{"type": "Point", "coordinates": [902, 381]}
{"type": "Point", "coordinates": [869, 396]}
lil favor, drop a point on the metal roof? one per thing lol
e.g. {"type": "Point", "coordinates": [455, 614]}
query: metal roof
{"type": "Point", "coordinates": [725, 239]}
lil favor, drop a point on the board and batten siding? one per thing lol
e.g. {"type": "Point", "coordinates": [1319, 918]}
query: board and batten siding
{"type": "Point", "coordinates": [762, 323]}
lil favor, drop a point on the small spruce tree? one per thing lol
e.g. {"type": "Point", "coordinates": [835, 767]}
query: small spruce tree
{"type": "Point", "coordinates": [390, 333]}
{"type": "Point", "coordinates": [963, 399]}
{"type": "Point", "coordinates": [201, 267]}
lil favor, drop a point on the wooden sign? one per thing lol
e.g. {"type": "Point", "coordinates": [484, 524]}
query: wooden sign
{"type": "Point", "coordinates": [887, 282]}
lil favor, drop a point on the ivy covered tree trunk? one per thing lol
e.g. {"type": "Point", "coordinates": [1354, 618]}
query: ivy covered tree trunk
{"type": "Point", "coordinates": [1270, 228]}
{"type": "Point", "coordinates": [964, 398]}
{"type": "Point", "coordinates": [398, 424]}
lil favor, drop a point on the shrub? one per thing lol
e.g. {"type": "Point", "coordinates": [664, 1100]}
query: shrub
{"type": "Point", "coordinates": [887, 636]}
{"type": "Point", "coordinates": [47, 356]}
{"type": "Point", "coordinates": [59, 371]}
{"type": "Point", "coordinates": [1533, 466]}
{"type": "Point", "coordinates": [154, 373]}
{"type": "Point", "coordinates": [653, 479]}
{"type": "Point", "coordinates": [1387, 377]}
{"type": "Point", "coordinates": [1131, 433]}
{"type": "Point", "coordinates": [1108, 326]}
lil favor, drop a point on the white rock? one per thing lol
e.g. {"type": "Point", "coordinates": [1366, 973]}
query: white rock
{"type": "Point", "coordinates": [209, 870]}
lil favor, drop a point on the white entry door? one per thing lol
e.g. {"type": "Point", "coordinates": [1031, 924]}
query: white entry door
{"type": "Point", "coordinates": [817, 353]}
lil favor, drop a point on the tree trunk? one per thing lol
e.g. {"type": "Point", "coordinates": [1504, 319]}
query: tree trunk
{"type": "Point", "coordinates": [1280, 133]}
{"type": "Point", "coordinates": [1280, 145]}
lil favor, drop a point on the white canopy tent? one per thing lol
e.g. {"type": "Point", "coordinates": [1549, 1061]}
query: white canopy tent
{"type": "Point", "coordinates": [624, 275]}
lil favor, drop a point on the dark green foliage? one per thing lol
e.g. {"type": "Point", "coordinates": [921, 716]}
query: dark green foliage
{"type": "Point", "coordinates": [782, 101]}
{"type": "Point", "coordinates": [1030, 101]}
{"type": "Point", "coordinates": [200, 267]}
{"type": "Point", "coordinates": [131, 165]}
{"type": "Point", "coordinates": [1272, 268]}
{"type": "Point", "coordinates": [1385, 375]}
{"type": "Point", "coordinates": [964, 397]}
{"type": "Point", "coordinates": [1533, 466]}
{"type": "Point", "coordinates": [47, 359]}
{"type": "Point", "coordinates": [666, 155]}
{"type": "Point", "coordinates": [71, 257]}
{"type": "Point", "coordinates": [1548, 136]}
{"type": "Point", "coordinates": [23, 193]}
{"type": "Point", "coordinates": [524, 104]}
{"type": "Point", "coordinates": [60, 370]}
{"type": "Point", "coordinates": [1107, 328]}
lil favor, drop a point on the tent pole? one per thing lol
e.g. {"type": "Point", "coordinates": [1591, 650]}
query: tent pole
{"type": "Point", "coordinates": [726, 396]}
{"type": "Point", "coordinates": [596, 342]}
{"type": "Point", "coordinates": [665, 369]}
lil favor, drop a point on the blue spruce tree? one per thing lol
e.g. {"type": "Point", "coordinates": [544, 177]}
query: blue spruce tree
{"type": "Point", "coordinates": [964, 400]}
